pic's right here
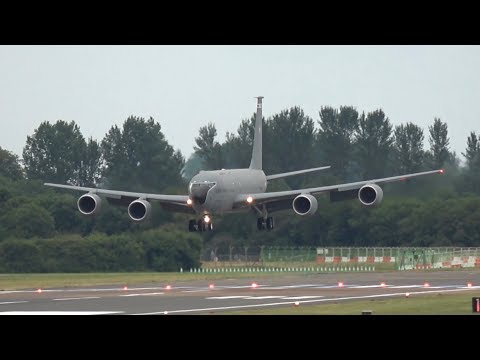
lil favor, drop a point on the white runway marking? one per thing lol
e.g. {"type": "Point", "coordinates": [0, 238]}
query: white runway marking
{"type": "Point", "coordinates": [77, 298]}
{"type": "Point", "coordinates": [192, 291]}
{"type": "Point", "coordinates": [263, 297]}
{"type": "Point", "coordinates": [288, 287]}
{"type": "Point", "coordinates": [226, 297]}
{"type": "Point", "coordinates": [12, 302]}
{"type": "Point", "coordinates": [302, 297]}
{"type": "Point", "coordinates": [235, 307]}
{"type": "Point", "coordinates": [60, 312]}
{"type": "Point", "coordinates": [143, 294]}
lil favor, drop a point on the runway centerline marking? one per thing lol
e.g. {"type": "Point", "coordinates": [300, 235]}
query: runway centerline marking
{"type": "Point", "coordinates": [302, 297]}
{"type": "Point", "coordinates": [233, 307]}
{"type": "Point", "coordinates": [143, 294]}
{"type": "Point", "coordinates": [263, 297]}
{"type": "Point", "coordinates": [226, 297]}
{"type": "Point", "coordinates": [60, 312]}
{"type": "Point", "coordinates": [77, 298]}
{"type": "Point", "coordinates": [12, 302]}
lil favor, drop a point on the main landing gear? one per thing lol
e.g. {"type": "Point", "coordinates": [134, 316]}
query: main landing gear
{"type": "Point", "coordinates": [265, 223]}
{"type": "Point", "coordinates": [204, 224]}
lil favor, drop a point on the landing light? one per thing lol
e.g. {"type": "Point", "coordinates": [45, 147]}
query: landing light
{"type": "Point", "coordinates": [189, 201]}
{"type": "Point", "coordinates": [206, 219]}
{"type": "Point", "coordinates": [442, 171]}
{"type": "Point", "coordinates": [39, 291]}
{"type": "Point", "coordinates": [469, 284]}
{"type": "Point", "coordinates": [125, 288]}
{"type": "Point", "coordinates": [168, 287]}
{"type": "Point", "coordinates": [340, 284]}
{"type": "Point", "coordinates": [382, 284]}
{"type": "Point", "coordinates": [426, 284]}
{"type": "Point", "coordinates": [249, 199]}
{"type": "Point", "coordinates": [211, 286]}
{"type": "Point", "coordinates": [254, 285]}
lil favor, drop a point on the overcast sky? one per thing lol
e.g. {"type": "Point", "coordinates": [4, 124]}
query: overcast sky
{"type": "Point", "coordinates": [186, 87]}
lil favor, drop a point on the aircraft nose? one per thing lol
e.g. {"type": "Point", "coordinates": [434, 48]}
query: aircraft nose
{"type": "Point", "coordinates": [198, 191]}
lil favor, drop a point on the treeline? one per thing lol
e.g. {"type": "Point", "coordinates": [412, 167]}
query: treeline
{"type": "Point", "coordinates": [153, 250]}
{"type": "Point", "coordinates": [36, 221]}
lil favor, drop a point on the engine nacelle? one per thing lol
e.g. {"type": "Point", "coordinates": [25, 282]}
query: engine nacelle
{"type": "Point", "coordinates": [89, 204]}
{"type": "Point", "coordinates": [370, 195]}
{"type": "Point", "coordinates": [139, 209]}
{"type": "Point", "coordinates": [305, 204]}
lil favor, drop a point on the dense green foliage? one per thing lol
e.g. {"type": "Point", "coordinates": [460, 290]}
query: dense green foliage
{"type": "Point", "coordinates": [41, 229]}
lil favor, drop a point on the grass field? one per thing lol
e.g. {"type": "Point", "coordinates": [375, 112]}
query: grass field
{"type": "Point", "coordinates": [435, 304]}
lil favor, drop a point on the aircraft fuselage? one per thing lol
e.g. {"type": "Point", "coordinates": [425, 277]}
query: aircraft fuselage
{"type": "Point", "coordinates": [213, 192]}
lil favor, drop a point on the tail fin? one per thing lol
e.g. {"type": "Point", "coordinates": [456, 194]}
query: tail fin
{"type": "Point", "coordinates": [256, 162]}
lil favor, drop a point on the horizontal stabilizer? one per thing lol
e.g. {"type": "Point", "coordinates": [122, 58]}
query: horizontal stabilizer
{"type": "Point", "coordinates": [278, 176]}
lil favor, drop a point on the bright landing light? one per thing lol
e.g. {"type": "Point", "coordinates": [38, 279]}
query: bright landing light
{"type": "Point", "coordinates": [189, 201]}
{"type": "Point", "coordinates": [249, 199]}
{"type": "Point", "coordinates": [206, 219]}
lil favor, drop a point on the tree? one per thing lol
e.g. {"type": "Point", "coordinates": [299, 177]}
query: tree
{"type": "Point", "coordinates": [208, 148]}
{"type": "Point", "coordinates": [91, 165]}
{"type": "Point", "coordinates": [336, 135]}
{"type": "Point", "coordinates": [54, 153]}
{"type": "Point", "coordinates": [373, 142]}
{"type": "Point", "coordinates": [237, 149]}
{"type": "Point", "coordinates": [439, 141]}
{"type": "Point", "coordinates": [472, 152]}
{"type": "Point", "coordinates": [409, 147]}
{"type": "Point", "coordinates": [10, 165]}
{"type": "Point", "coordinates": [192, 166]}
{"type": "Point", "coordinates": [289, 143]}
{"type": "Point", "coordinates": [139, 158]}
{"type": "Point", "coordinates": [29, 220]}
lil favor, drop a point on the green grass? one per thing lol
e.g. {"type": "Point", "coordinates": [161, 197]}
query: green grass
{"type": "Point", "coordinates": [434, 304]}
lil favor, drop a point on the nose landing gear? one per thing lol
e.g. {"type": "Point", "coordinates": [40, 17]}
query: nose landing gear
{"type": "Point", "coordinates": [204, 224]}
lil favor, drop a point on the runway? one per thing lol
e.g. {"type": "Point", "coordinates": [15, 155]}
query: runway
{"type": "Point", "coordinates": [203, 297]}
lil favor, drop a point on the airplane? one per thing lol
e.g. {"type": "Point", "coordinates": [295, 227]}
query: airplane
{"type": "Point", "coordinates": [224, 191]}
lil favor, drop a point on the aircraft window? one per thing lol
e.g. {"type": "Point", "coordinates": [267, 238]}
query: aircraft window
{"type": "Point", "coordinates": [197, 185]}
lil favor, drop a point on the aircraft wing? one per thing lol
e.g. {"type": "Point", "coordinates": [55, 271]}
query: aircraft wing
{"type": "Point", "coordinates": [174, 201]}
{"type": "Point", "coordinates": [281, 196]}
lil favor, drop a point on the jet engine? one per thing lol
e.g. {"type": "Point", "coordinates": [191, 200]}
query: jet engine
{"type": "Point", "coordinates": [370, 195]}
{"type": "Point", "coordinates": [139, 209]}
{"type": "Point", "coordinates": [89, 204]}
{"type": "Point", "coordinates": [305, 204]}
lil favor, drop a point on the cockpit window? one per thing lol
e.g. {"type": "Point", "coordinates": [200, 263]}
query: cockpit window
{"type": "Point", "coordinates": [196, 185]}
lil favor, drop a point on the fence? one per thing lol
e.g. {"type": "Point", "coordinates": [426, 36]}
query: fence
{"type": "Point", "coordinates": [400, 258]}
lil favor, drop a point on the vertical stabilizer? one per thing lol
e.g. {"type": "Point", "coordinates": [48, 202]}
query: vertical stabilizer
{"type": "Point", "coordinates": [256, 162]}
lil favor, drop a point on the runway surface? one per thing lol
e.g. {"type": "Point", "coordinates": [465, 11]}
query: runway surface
{"type": "Point", "coordinates": [203, 297]}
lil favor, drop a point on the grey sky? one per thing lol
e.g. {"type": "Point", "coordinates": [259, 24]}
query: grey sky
{"type": "Point", "coordinates": [186, 87]}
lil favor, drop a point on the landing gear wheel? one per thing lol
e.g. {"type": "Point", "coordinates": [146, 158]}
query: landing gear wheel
{"type": "Point", "coordinates": [270, 224]}
{"type": "Point", "coordinates": [192, 225]}
{"type": "Point", "coordinates": [261, 224]}
{"type": "Point", "coordinates": [201, 225]}
{"type": "Point", "coordinates": [209, 226]}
